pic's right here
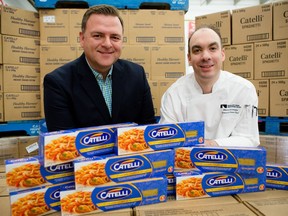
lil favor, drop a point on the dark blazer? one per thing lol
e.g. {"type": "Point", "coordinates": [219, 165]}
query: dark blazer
{"type": "Point", "coordinates": [73, 99]}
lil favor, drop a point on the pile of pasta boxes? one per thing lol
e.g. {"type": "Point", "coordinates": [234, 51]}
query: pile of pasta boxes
{"type": "Point", "coordinates": [118, 166]}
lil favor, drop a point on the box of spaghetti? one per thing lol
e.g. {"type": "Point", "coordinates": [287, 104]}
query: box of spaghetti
{"type": "Point", "coordinates": [277, 176]}
{"type": "Point", "coordinates": [113, 197]}
{"type": "Point", "coordinates": [96, 172]}
{"type": "Point", "coordinates": [27, 173]}
{"type": "Point", "coordinates": [154, 137]}
{"type": "Point", "coordinates": [38, 201]}
{"type": "Point", "coordinates": [222, 159]}
{"type": "Point", "coordinates": [68, 145]}
{"type": "Point", "coordinates": [191, 184]}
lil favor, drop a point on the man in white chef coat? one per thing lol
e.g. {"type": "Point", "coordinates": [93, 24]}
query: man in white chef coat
{"type": "Point", "coordinates": [226, 102]}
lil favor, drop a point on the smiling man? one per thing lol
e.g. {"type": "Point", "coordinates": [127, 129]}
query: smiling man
{"type": "Point", "coordinates": [98, 88]}
{"type": "Point", "coordinates": [226, 102]}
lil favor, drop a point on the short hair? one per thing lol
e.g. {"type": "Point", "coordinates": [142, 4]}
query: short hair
{"type": "Point", "coordinates": [103, 9]}
{"type": "Point", "coordinates": [216, 30]}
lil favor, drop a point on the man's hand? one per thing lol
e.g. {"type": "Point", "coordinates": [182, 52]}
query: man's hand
{"type": "Point", "coordinates": [210, 143]}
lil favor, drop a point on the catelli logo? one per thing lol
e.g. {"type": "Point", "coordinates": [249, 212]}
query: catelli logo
{"type": "Point", "coordinates": [221, 180]}
{"type": "Point", "coordinates": [61, 167]}
{"type": "Point", "coordinates": [55, 195]}
{"type": "Point", "coordinates": [163, 132]}
{"type": "Point", "coordinates": [208, 155]}
{"type": "Point", "coordinates": [114, 193]}
{"type": "Point", "coordinates": [127, 165]}
{"type": "Point", "coordinates": [95, 138]}
{"type": "Point", "coordinates": [272, 173]}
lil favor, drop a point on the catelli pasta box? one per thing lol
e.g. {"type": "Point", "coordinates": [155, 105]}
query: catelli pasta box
{"type": "Point", "coordinates": [222, 159]}
{"type": "Point", "coordinates": [113, 197]}
{"type": "Point", "coordinates": [190, 185]}
{"type": "Point", "coordinates": [154, 137]}
{"type": "Point", "coordinates": [39, 201]}
{"type": "Point", "coordinates": [68, 145]}
{"type": "Point", "coordinates": [27, 173]}
{"type": "Point", "coordinates": [111, 170]}
{"type": "Point", "coordinates": [277, 176]}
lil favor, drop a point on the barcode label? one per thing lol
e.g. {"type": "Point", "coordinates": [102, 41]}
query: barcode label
{"type": "Point", "coordinates": [174, 39]}
{"type": "Point", "coordinates": [30, 87]}
{"type": "Point", "coordinates": [57, 39]}
{"type": "Point", "coordinates": [146, 39]}
{"type": "Point", "coordinates": [261, 111]}
{"type": "Point", "coordinates": [29, 32]}
{"type": "Point", "coordinates": [33, 147]}
{"type": "Point", "coordinates": [29, 60]}
{"type": "Point", "coordinates": [258, 37]}
{"type": "Point", "coordinates": [30, 114]}
{"type": "Point", "coordinates": [173, 74]}
{"type": "Point", "coordinates": [280, 73]}
{"type": "Point", "coordinates": [244, 74]}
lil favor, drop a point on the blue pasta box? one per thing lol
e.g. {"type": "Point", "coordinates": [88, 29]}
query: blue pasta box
{"type": "Point", "coordinates": [110, 170]}
{"type": "Point", "coordinates": [38, 201]}
{"type": "Point", "coordinates": [222, 159]}
{"type": "Point", "coordinates": [113, 197]}
{"type": "Point", "coordinates": [192, 185]}
{"type": "Point", "coordinates": [27, 173]}
{"type": "Point", "coordinates": [68, 145]}
{"type": "Point", "coordinates": [277, 176]}
{"type": "Point", "coordinates": [154, 137]}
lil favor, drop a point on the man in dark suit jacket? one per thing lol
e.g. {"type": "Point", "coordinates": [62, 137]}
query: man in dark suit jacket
{"type": "Point", "coordinates": [74, 97]}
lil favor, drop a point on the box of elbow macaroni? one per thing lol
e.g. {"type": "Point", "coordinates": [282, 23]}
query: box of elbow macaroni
{"type": "Point", "coordinates": [277, 176]}
{"type": "Point", "coordinates": [111, 170]}
{"type": "Point", "coordinates": [39, 201]}
{"type": "Point", "coordinates": [113, 197]}
{"type": "Point", "coordinates": [222, 159]}
{"type": "Point", "coordinates": [191, 185]}
{"type": "Point", "coordinates": [68, 145]}
{"type": "Point", "coordinates": [27, 173]}
{"type": "Point", "coordinates": [154, 137]}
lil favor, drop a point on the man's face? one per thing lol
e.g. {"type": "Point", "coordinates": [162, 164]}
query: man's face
{"type": "Point", "coordinates": [206, 55]}
{"type": "Point", "coordinates": [102, 41]}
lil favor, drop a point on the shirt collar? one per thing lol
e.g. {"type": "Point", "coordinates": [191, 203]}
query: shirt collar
{"type": "Point", "coordinates": [99, 75]}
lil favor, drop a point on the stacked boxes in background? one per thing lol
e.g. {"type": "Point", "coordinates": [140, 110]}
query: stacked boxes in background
{"type": "Point", "coordinates": [20, 44]}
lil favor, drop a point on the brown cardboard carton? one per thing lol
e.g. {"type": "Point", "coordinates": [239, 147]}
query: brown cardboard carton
{"type": "Point", "coordinates": [279, 97]}
{"type": "Point", "coordinates": [20, 50]}
{"type": "Point", "coordinates": [8, 150]}
{"type": "Point", "coordinates": [54, 26]}
{"type": "Point", "coordinates": [125, 17]}
{"type": "Point", "coordinates": [21, 78]}
{"type": "Point", "coordinates": [269, 142]}
{"type": "Point", "coordinates": [24, 142]}
{"type": "Point", "coordinates": [170, 27]}
{"type": "Point", "coordinates": [75, 20]}
{"type": "Point", "coordinates": [21, 106]}
{"type": "Point", "coordinates": [5, 206]}
{"type": "Point", "coordinates": [270, 59]}
{"type": "Point", "coordinates": [3, 185]}
{"type": "Point", "coordinates": [19, 22]}
{"type": "Point", "coordinates": [280, 20]}
{"type": "Point", "coordinates": [262, 88]}
{"type": "Point", "coordinates": [239, 60]}
{"type": "Point", "coordinates": [139, 54]}
{"type": "Point", "coordinates": [1, 108]}
{"type": "Point", "coordinates": [1, 78]}
{"type": "Point", "coordinates": [282, 150]}
{"type": "Point", "coordinates": [167, 62]}
{"type": "Point", "coordinates": [142, 27]}
{"type": "Point", "coordinates": [221, 21]}
{"type": "Point", "coordinates": [1, 48]}
{"type": "Point", "coordinates": [252, 24]}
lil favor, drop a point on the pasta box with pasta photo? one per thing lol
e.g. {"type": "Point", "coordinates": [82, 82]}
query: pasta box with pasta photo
{"type": "Point", "coordinates": [277, 176]}
{"type": "Point", "coordinates": [154, 137]}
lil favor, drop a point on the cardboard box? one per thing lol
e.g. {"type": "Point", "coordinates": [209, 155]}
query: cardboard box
{"type": "Point", "coordinates": [282, 150]}
{"type": "Point", "coordinates": [5, 205]}
{"type": "Point", "coordinates": [167, 62]}
{"type": "Point", "coordinates": [119, 196]}
{"type": "Point", "coordinates": [75, 21]}
{"type": "Point", "coordinates": [125, 17]}
{"type": "Point", "coordinates": [139, 54]}
{"type": "Point", "coordinates": [269, 142]}
{"type": "Point", "coordinates": [252, 24]}
{"type": "Point", "coordinates": [54, 26]}
{"type": "Point", "coordinates": [143, 27]}
{"type": "Point", "coordinates": [154, 137]}
{"type": "Point", "coordinates": [21, 78]}
{"type": "Point", "coordinates": [24, 142]}
{"type": "Point", "coordinates": [1, 107]}
{"type": "Point", "coordinates": [265, 195]}
{"type": "Point", "coordinates": [221, 21]}
{"type": "Point", "coordinates": [19, 22]}
{"type": "Point", "coordinates": [170, 27]}
{"type": "Point", "coordinates": [3, 185]}
{"type": "Point", "coordinates": [1, 48]}
{"type": "Point", "coordinates": [279, 97]}
{"type": "Point", "coordinates": [19, 50]}
{"type": "Point", "coordinates": [111, 170]}
{"type": "Point", "coordinates": [1, 77]}
{"type": "Point", "coordinates": [262, 88]}
{"type": "Point", "coordinates": [239, 60]}
{"type": "Point", "coordinates": [21, 106]}
{"type": "Point", "coordinates": [8, 150]}
{"type": "Point", "coordinates": [280, 20]}
{"type": "Point", "coordinates": [270, 60]}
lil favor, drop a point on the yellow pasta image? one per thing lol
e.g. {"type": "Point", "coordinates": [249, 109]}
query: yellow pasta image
{"type": "Point", "coordinates": [132, 140]}
{"type": "Point", "coordinates": [190, 187]}
{"type": "Point", "coordinates": [61, 149]}
{"type": "Point", "coordinates": [30, 205]}
{"type": "Point", "coordinates": [78, 202]}
{"type": "Point", "coordinates": [182, 159]}
{"type": "Point", "coordinates": [92, 175]}
{"type": "Point", "coordinates": [27, 175]}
